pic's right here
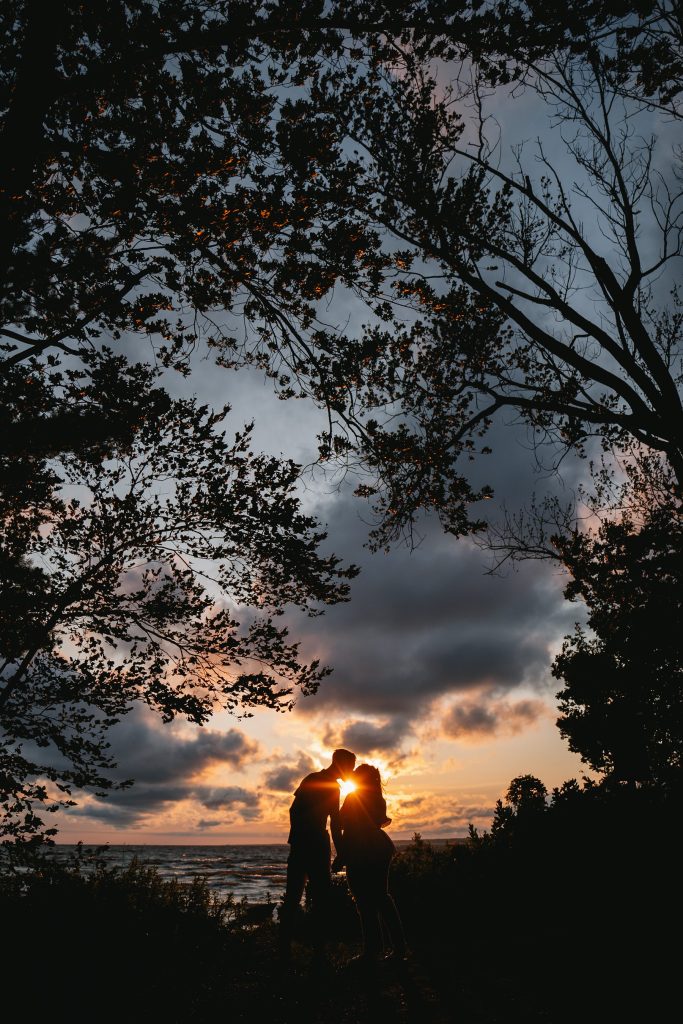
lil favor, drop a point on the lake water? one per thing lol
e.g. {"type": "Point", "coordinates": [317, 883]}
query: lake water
{"type": "Point", "coordinates": [254, 871]}
{"type": "Point", "coordinates": [251, 871]}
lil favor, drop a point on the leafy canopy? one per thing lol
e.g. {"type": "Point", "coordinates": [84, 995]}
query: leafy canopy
{"type": "Point", "coordinates": [187, 173]}
{"type": "Point", "coordinates": [151, 570]}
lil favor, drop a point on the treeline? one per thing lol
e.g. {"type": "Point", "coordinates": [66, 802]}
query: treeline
{"type": "Point", "coordinates": [563, 909]}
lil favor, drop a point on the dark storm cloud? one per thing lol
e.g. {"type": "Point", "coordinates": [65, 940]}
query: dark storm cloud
{"type": "Point", "coordinates": [481, 719]}
{"type": "Point", "coordinates": [106, 814]}
{"type": "Point", "coordinates": [286, 777]}
{"type": "Point", "coordinates": [460, 818]}
{"type": "Point", "coordinates": [418, 626]}
{"type": "Point", "coordinates": [219, 797]}
{"type": "Point", "coordinates": [164, 766]}
{"type": "Point", "coordinates": [461, 814]}
{"type": "Point", "coordinates": [367, 738]}
{"type": "Point", "coordinates": [156, 754]}
{"type": "Point", "coordinates": [428, 624]}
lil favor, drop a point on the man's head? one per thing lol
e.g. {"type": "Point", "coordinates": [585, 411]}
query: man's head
{"type": "Point", "coordinates": [343, 761]}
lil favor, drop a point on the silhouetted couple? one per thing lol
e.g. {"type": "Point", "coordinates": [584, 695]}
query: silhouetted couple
{"type": "Point", "coordinates": [361, 845]}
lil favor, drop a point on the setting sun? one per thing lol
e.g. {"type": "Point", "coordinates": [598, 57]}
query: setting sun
{"type": "Point", "coordinates": [346, 787]}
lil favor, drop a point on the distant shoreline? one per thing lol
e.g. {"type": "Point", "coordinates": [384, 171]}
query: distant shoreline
{"type": "Point", "coordinates": [434, 841]}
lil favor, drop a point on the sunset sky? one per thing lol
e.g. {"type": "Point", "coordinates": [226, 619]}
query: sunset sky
{"type": "Point", "coordinates": [441, 671]}
{"type": "Point", "coordinates": [441, 676]}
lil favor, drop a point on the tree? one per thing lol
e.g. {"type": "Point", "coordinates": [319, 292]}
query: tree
{"type": "Point", "coordinates": [140, 185]}
{"type": "Point", "coordinates": [137, 197]}
{"type": "Point", "coordinates": [150, 571]}
{"type": "Point", "coordinates": [165, 187]}
{"type": "Point", "coordinates": [639, 40]}
{"type": "Point", "coordinates": [525, 804]}
{"type": "Point", "coordinates": [140, 194]}
{"type": "Point", "coordinates": [622, 699]}
{"type": "Point", "coordinates": [135, 193]}
{"type": "Point", "coordinates": [526, 293]}
{"type": "Point", "coordinates": [157, 180]}
{"type": "Point", "coordinates": [537, 290]}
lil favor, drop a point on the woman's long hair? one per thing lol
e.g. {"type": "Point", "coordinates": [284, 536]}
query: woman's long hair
{"type": "Point", "coordinates": [369, 792]}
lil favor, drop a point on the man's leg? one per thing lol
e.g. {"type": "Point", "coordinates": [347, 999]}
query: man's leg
{"type": "Point", "coordinates": [296, 881]}
{"type": "Point", "coordinates": [320, 882]}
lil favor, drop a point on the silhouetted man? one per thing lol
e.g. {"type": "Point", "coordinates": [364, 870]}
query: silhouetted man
{"type": "Point", "coordinates": [316, 800]}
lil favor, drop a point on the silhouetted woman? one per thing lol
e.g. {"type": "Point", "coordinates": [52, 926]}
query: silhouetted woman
{"type": "Point", "coordinates": [367, 852]}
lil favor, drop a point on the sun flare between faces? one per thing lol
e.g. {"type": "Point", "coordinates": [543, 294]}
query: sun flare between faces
{"type": "Point", "coordinates": [346, 787]}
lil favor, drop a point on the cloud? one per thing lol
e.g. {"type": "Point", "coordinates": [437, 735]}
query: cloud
{"type": "Point", "coordinates": [154, 753]}
{"type": "Point", "coordinates": [462, 815]}
{"type": "Point", "coordinates": [129, 807]}
{"type": "Point", "coordinates": [167, 765]}
{"type": "Point", "coordinates": [286, 777]}
{"type": "Point", "coordinates": [421, 630]}
{"type": "Point", "coordinates": [219, 797]}
{"type": "Point", "coordinates": [435, 820]}
{"type": "Point", "coordinates": [107, 814]}
{"type": "Point", "coordinates": [364, 737]}
{"type": "Point", "coordinates": [414, 801]}
{"type": "Point", "coordinates": [424, 626]}
{"type": "Point", "coordinates": [476, 720]}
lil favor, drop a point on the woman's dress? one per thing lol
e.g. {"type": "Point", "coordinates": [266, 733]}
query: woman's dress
{"type": "Point", "coordinates": [367, 852]}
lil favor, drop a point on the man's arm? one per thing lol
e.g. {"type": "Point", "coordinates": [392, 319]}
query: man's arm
{"type": "Point", "coordinates": [335, 824]}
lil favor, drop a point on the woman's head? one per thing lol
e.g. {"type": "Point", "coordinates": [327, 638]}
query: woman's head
{"type": "Point", "coordinates": [366, 776]}
{"type": "Point", "coordinates": [369, 793]}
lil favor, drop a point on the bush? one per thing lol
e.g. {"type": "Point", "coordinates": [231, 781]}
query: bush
{"type": "Point", "coordinates": [102, 933]}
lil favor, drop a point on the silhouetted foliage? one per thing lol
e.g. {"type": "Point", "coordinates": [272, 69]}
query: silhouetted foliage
{"type": "Point", "coordinates": [182, 193]}
{"type": "Point", "coordinates": [146, 946]}
{"type": "Point", "coordinates": [492, 262]}
{"type": "Point", "coordinates": [132, 529]}
{"type": "Point", "coordinates": [560, 914]}
{"type": "Point", "coordinates": [622, 701]}
{"type": "Point", "coordinates": [125, 569]}
{"type": "Point", "coordinates": [586, 875]}
{"type": "Point", "coordinates": [640, 40]}
{"type": "Point", "coordinates": [189, 175]}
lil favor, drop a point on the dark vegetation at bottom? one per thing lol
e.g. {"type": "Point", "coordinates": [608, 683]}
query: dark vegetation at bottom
{"type": "Point", "coordinates": [563, 912]}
